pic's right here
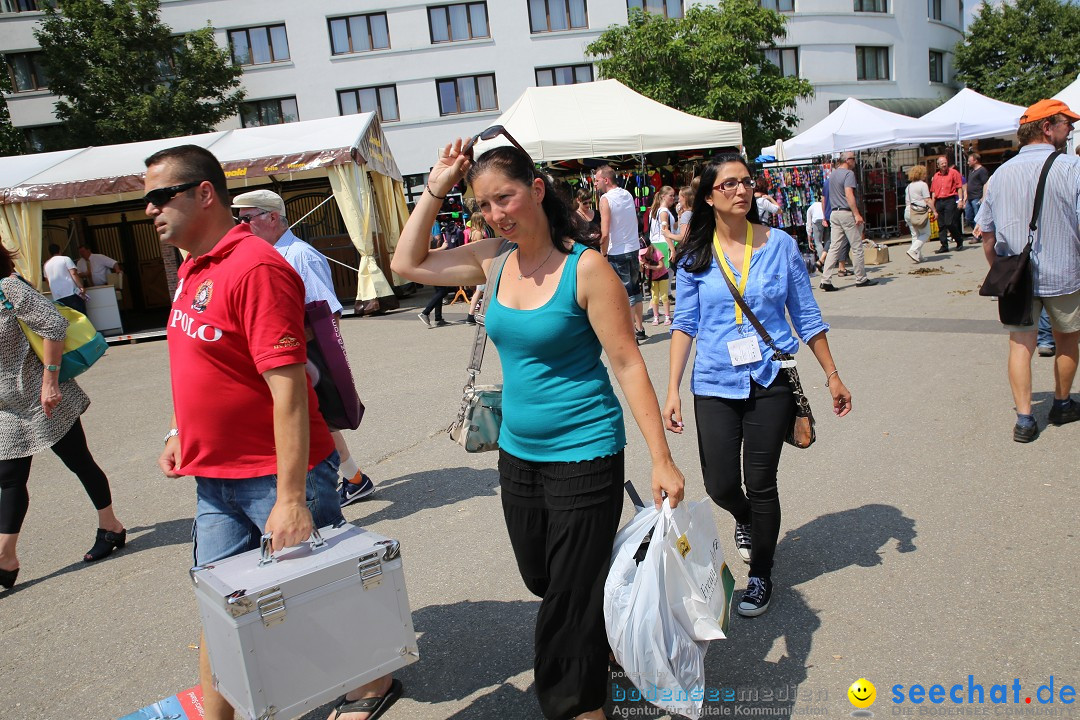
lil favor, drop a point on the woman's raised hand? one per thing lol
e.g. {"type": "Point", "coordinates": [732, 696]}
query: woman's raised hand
{"type": "Point", "coordinates": [450, 168]}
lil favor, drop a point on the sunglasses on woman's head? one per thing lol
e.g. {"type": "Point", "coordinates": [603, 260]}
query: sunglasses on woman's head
{"type": "Point", "coordinates": [159, 197]}
{"type": "Point", "coordinates": [490, 134]}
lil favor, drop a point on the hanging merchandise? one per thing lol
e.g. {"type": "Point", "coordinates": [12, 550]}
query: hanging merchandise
{"type": "Point", "coordinates": [795, 189]}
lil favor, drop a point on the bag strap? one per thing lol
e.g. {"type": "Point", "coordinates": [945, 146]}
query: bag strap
{"type": "Point", "coordinates": [480, 343]}
{"type": "Point", "coordinates": [1037, 209]}
{"type": "Point", "coordinates": [746, 308]}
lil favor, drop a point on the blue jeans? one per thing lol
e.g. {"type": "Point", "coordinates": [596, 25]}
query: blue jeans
{"type": "Point", "coordinates": [628, 268]}
{"type": "Point", "coordinates": [971, 209]}
{"type": "Point", "coordinates": [1046, 334]}
{"type": "Point", "coordinates": [230, 515]}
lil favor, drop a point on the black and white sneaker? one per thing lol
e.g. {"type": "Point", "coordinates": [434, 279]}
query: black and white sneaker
{"type": "Point", "coordinates": [640, 334]}
{"type": "Point", "coordinates": [350, 492]}
{"type": "Point", "coordinates": [424, 319]}
{"type": "Point", "coordinates": [742, 541]}
{"type": "Point", "coordinates": [755, 599]}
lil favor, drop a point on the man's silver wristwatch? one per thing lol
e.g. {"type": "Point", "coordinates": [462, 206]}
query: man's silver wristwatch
{"type": "Point", "coordinates": [171, 434]}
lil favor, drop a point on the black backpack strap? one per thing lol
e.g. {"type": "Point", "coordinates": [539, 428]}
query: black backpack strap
{"type": "Point", "coordinates": [1037, 209]}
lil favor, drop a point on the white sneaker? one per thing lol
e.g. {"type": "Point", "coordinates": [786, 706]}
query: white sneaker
{"type": "Point", "coordinates": [656, 320]}
{"type": "Point", "coordinates": [914, 257]}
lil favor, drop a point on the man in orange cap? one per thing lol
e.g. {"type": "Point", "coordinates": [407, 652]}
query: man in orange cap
{"type": "Point", "coordinates": [1055, 255]}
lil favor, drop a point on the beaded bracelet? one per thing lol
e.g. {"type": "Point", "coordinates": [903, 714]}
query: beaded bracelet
{"type": "Point", "coordinates": [432, 194]}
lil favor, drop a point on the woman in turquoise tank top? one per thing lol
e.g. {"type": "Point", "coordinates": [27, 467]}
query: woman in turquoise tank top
{"type": "Point", "coordinates": [554, 308]}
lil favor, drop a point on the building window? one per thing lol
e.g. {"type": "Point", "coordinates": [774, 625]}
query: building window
{"type": "Point", "coordinates": [553, 15]}
{"type": "Point", "coordinates": [787, 59]}
{"type": "Point", "coordinates": [464, 21]}
{"type": "Point", "coordinates": [937, 66]}
{"type": "Point", "coordinates": [473, 93]}
{"type": "Point", "coordinates": [14, 6]}
{"type": "Point", "coordinates": [26, 71]}
{"type": "Point", "coordinates": [359, 33]}
{"type": "Point", "coordinates": [381, 100]}
{"type": "Point", "coordinates": [667, 8]}
{"type": "Point", "coordinates": [259, 45]}
{"type": "Point", "coordinates": [872, 63]}
{"type": "Point", "coordinates": [269, 112]}
{"type": "Point", "coordinates": [563, 75]}
{"type": "Point", "coordinates": [872, 6]}
{"type": "Point", "coordinates": [933, 9]}
{"type": "Point", "coordinates": [778, 5]}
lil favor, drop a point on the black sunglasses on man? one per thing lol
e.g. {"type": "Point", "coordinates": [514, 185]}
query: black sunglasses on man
{"type": "Point", "coordinates": [489, 134]}
{"type": "Point", "coordinates": [159, 197]}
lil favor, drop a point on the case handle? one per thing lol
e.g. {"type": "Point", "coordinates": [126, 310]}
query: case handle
{"type": "Point", "coordinates": [266, 547]}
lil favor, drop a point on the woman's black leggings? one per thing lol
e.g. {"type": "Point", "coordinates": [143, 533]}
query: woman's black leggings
{"type": "Point", "coordinates": [14, 474]}
{"type": "Point", "coordinates": [562, 518]}
{"type": "Point", "coordinates": [751, 431]}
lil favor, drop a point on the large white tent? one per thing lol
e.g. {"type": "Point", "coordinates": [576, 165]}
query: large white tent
{"type": "Point", "coordinates": [858, 126]}
{"type": "Point", "coordinates": [1070, 95]}
{"type": "Point", "coordinates": [350, 151]}
{"type": "Point", "coordinates": [605, 119]}
{"type": "Point", "coordinates": [976, 116]}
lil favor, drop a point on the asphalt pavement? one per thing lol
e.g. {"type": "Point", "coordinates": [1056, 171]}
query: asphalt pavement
{"type": "Point", "coordinates": [920, 545]}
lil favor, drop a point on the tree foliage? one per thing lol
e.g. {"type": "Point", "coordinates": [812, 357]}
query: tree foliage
{"type": "Point", "coordinates": [1021, 51]}
{"type": "Point", "coordinates": [709, 63]}
{"type": "Point", "coordinates": [11, 140]}
{"type": "Point", "coordinates": [122, 75]}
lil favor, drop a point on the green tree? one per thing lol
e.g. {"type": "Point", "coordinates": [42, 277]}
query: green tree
{"type": "Point", "coordinates": [11, 140]}
{"type": "Point", "coordinates": [1021, 51]}
{"type": "Point", "coordinates": [122, 75]}
{"type": "Point", "coordinates": [710, 63]}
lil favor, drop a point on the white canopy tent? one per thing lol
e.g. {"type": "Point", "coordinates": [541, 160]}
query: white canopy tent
{"type": "Point", "coordinates": [604, 119]}
{"type": "Point", "coordinates": [858, 126]}
{"type": "Point", "coordinates": [334, 148]}
{"type": "Point", "coordinates": [1070, 95]}
{"type": "Point", "coordinates": [976, 116]}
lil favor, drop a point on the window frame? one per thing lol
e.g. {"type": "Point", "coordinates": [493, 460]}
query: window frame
{"type": "Point", "coordinates": [348, 20]}
{"type": "Point", "coordinates": [378, 101]}
{"type": "Point", "coordinates": [263, 101]}
{"type": "Point", "coordinates": [569, 16]}
{"type": "Point", "coordinates": [38, 75]}
{"type": "Point", "coordinates": [270, 44]}
{"type": "Point", "coordinates": [780, 55]}
{"type": "Point", "coordinates": [457, 96]}
{"type": "Point", "coordinates": [762, 4]}
{"type": "Point", "coordinates": [860, 6]}
{"type": "Point", "coordinates": [573, 67]}
{"type": "Point", "coordinates": [642, 5]}
{"type": "Point", "coordinates": [449, 26]}
{"type": "Point", "coordinates": [860, 62]}
{"type": "Point", "coordinates": [13, 6]}
{"type": "Point", "coordinates": [931, 7]}
{"type": "Point", "coordinates": [940, 57]}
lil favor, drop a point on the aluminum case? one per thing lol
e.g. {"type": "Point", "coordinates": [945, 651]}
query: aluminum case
{"type": "Point", "coordinates": [291, 634]}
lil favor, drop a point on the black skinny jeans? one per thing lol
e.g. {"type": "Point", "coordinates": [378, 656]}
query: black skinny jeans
{"type": "Point", "coordinates": [751, 431]}
{"type": "Point", "coordinates": [14, 474]}
{"type": "Point", "coordinates": [562, 518]}
{"type": "Point", "coordinates": [436, 302]}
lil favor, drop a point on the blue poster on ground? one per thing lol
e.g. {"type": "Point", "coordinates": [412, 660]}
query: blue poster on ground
{"type": "Point", "coordinates": [186, 705]}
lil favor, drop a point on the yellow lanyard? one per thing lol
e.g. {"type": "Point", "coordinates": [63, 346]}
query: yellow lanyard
{"type": "Point", "coordinates": [747, 251]}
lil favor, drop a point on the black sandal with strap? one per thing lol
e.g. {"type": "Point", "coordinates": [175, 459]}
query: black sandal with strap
{"type": "Point", "coordinates": [106, 542]}
{"type": "Point", "coordinates": [376, 706]}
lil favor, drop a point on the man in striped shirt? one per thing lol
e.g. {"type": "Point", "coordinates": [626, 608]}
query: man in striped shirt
{"type": "Point", "coordinates": [1055, 255]}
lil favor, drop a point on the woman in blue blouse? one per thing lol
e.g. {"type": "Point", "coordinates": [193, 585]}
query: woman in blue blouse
{"type": "Point", "coordinates": [555, 306]}
{"type": "Point", "coordinates": [743, 403]}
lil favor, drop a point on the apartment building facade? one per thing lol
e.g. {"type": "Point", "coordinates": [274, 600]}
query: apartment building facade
{"type": "Point", "coordinates": [439, 69]}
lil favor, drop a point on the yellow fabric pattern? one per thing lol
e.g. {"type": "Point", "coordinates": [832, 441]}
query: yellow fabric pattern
{"type": "Point", "coordinates": [352, 190]}
{"type": "Point", "coordinates": [20, 229]}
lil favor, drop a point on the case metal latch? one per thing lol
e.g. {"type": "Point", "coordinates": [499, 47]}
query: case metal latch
{"type": "Point", "coordinates": [269, 714]}
{"type": "Point", "coordinates": [271, 605]}
{"type": "Point", "coordinates": [238, 603]}
{"type": "Point", "coordinates": [370, 567]}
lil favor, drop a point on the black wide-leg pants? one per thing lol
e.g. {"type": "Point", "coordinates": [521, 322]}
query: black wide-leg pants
{"type": "Point", "coordinates": [562, 518]}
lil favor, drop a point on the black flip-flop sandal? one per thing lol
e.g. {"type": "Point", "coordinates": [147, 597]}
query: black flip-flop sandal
{"type": "Point", "coordinates": [376, 706]}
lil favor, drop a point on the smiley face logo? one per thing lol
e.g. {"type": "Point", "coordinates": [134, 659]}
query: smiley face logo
{"type": "Point", "coordinates": [862, 693]}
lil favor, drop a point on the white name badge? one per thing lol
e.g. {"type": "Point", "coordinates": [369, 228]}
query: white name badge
{"type": "Point", "coordinates": [744, 351]}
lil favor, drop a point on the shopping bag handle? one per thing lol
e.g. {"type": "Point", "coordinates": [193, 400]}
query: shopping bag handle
{"type": "Point", "coordinates": [266, 546]}
{"type": "Point", "coordinates": [633, 493]}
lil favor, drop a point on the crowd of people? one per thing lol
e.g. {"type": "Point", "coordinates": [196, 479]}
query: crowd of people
{"type": "Point", "coordinates": [567, 290]}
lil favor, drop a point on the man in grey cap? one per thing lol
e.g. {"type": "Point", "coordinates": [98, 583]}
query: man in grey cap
{"type": "Point", "coordinates": [264, 211]}
{"type": "Point", "coordinates": [846, 224]}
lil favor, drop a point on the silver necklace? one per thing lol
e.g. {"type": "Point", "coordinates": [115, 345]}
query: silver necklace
{"type": "Point", "coordinates": [522, 275]}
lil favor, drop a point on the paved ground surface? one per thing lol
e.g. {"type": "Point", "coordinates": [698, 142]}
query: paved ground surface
{"type": "Point", "coordinates": [919, 543]}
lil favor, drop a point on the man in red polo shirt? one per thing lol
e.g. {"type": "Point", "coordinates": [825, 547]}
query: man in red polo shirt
{"type": "Point", "coordinates": [947, 193]}
{"type": "Point", "coordinates": [246, 422]}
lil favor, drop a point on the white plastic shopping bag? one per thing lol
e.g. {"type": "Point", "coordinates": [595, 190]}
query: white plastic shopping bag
{"type": "Point", "coordinates": [697, 580]}
{"type": "Point", "coordinates": [656, 600]}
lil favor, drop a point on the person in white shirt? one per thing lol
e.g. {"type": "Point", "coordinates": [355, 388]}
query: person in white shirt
{"type": "Point", "coordinates": [94, 267]}
{"type": "Point", "coordinates": [619, 241]}
{"type": "Point", "coordinates": [815, 230]}
{"type": "Point", "coordinates": [264, 211]}
{"type": "Point", "coordinates": [64, 282]}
